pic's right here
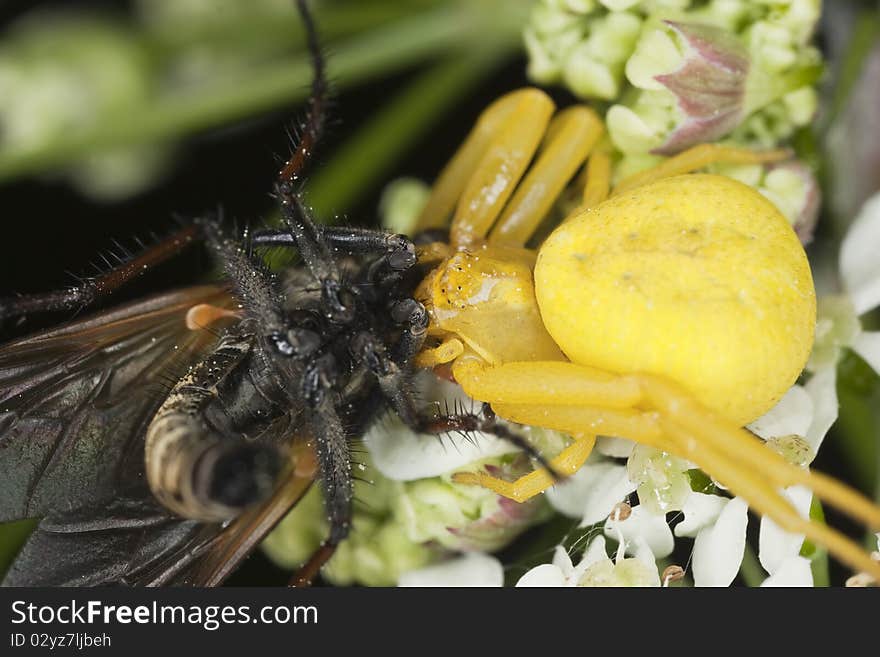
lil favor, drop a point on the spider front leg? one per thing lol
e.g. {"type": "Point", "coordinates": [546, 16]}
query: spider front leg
{"type": "Point", "coordinates": [566, 463]}
{"type": "Point", "coordinates": [580, 401]}
{"type": "Point", "coordinates": [494, 136]}
{"type": "Point", "coordinates": [699, 157]}
{"type": "Point", "coordinates": [570, 137]}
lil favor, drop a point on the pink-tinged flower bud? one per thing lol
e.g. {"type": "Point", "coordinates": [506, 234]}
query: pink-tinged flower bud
{"type": "Point", "coordinates": [795, 191]}
{"type": "Point", "coordinates": [502, 519]}
{"type": "Point", "coordinates": [709, 85]}
{"type": "Point", "coordinates": [691, 83]}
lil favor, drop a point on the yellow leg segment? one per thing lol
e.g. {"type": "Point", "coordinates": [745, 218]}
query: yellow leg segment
{"type": "Point", "coordinates": [738, 445]}
{"type": "Point", "coordinates": [580, 401]}
{"type": "Point", "coordinates": [748, 482]}
{"type": "Point", "coordinates": [501, 167]}
{"type": "Point", "coordinates": [456, 174]}
{"type": "Point", "coordinates": [699, 157]}
{"type": "Point", "coordinates": [446, 352]}
{"type": "Point", "coordinates": [571, 136]}
{"type": "Point", "coordinates": [567, 462]}
{"type": "Point", "coordinates": [598, 179]}
{"type": "Point", "coordinates": [640, 426]}
{"type": "Point", "coordinates": [545, 383]}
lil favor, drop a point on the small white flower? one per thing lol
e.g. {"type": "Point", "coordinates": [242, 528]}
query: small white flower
{"type": "Point", "coordinates": [402, 455]}
{"type": "Point", "coordinates": [472, 569]}
{"type": "Point", "coordinates": [794, 571]}
{"type": "Point", "coordinates": [561, 571]}
{"type": "Point", "coordinates": [594, 569]}
{"type": "Point", "coordinates": [643, 534]}
{"type": "Point", "coordinates": [838, 325]}
{"type": "Point", "coordinates": [719, 548]}
{"type": "Point", "coordinates": [591, 493]}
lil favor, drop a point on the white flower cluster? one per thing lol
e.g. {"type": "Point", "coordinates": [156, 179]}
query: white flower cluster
{"type": "Point", "coordinates": [679, 72]}
{"type": "Point", "coordinates": [795, 428]}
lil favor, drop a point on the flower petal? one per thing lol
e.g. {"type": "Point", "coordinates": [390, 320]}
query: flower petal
{"type": "Point", "coordinates": [700, 510]}
{"type": "Point", "coordinates": [594, 553]}
{"type": "Point", "coordinates": [544, 575]}
{"type": "Point", "coordinates": [619, 448]}
{"type": "Point", "coordinates": [472, 569]}
{"type": "Point", "coordinates": [867, 345]}
{"type": "Point", "coordinates": [859, 264]}
{"type": "Point", "coordinates": [718, 550]}
{"type": "Point", "coordinates": [402, 455]}
{"type": "Point", "coordinates": [791, 415]}
{"type": "Point", "coordinates": [822, 388]}
{"type": "Point", "coordinates": [562, 560]}
{"type": "Point", "coordinates": [775, 545]}
{"type": "Point", "coordinates": [642, 529]}
{"type": "Point", "coordinates": [794, 571]}
{"type": "Point", "coordinates": [591, 492]}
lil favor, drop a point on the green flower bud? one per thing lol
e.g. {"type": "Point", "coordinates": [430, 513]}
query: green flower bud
{"type": "Point", "coordinates": [837, 326]}
{"type": "Point", "coordinates": [376, 552]}
{"type": "Point", "coordinates": [793, 448]}
{"type": "Point", "coordinates": [401, 203]}
{"type": "Point", "coordinates": [626, 572]}
{"type": "Point", "coordinates": [60, 75]}
{"type": "Point", "coordinates": [695, 76]}
{"type": "Point", "coordinates": [792, 187]}
{"type": "Point", "coordinates": [468, 518]}
{"type": "Point", "coordinates": [663, 482]}
{"type": "Point", "coordinates": [595, 67]}
{"type": "Point", "coordinates": [694, 72]}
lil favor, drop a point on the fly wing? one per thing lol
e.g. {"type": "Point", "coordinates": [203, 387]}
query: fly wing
{"type": "Point", "coordinates": [75, 401]}
{"type": "Point", "coordinates": [223, 554]}
{"type": "Point", "coordinates": [131, 540]}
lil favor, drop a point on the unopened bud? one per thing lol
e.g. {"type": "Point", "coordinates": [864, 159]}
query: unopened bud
{"type": "Point", "coordinates": [626, 572]}
{"type": "Point", "coordinates": [702, 68]}
{"type": "Point", "coordinates": [792, 448]}
{"type": "Point", "coordinates": [663, 482]}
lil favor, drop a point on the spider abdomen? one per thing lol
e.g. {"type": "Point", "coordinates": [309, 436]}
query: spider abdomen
{"type": "Point", "coordinates": [697, 278]}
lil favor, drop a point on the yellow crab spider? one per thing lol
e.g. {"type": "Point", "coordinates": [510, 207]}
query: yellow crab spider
{"type": "Point", "coordinates": [671, 309]}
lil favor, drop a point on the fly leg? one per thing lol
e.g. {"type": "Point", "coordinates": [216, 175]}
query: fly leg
{"type": "Point", "coordinates": [91, 290]}
{"type": "Point", "coordinates": [334, 461]}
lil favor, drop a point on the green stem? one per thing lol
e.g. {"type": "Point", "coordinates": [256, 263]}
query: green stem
{"type": "Point", "coordinates": [390, 48]}
{"type": "Point", "coordinates": [365, 159]}
{"type": "Point", "coordinates": [818, 556]}
{"type": "Point", "coordinates": [861, 43]}
{"type": "Point", "coordinates": [751, 570]}
{"type": "Point", "coordinates": [285, 29]}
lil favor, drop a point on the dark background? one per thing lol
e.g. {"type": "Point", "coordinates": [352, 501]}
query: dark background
{"type": "Point", "coordinates": [49, 229]}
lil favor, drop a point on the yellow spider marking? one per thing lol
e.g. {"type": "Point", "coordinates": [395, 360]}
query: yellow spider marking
{"type": "Point", "coordinates": [672, 313]}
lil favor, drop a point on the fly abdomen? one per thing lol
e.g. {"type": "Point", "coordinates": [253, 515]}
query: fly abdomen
{"type": "Point", "coordinates": [194, 470]}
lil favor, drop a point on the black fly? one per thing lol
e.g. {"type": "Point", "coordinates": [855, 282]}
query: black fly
{"type": "Point", "coordinates": [141, 488]}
